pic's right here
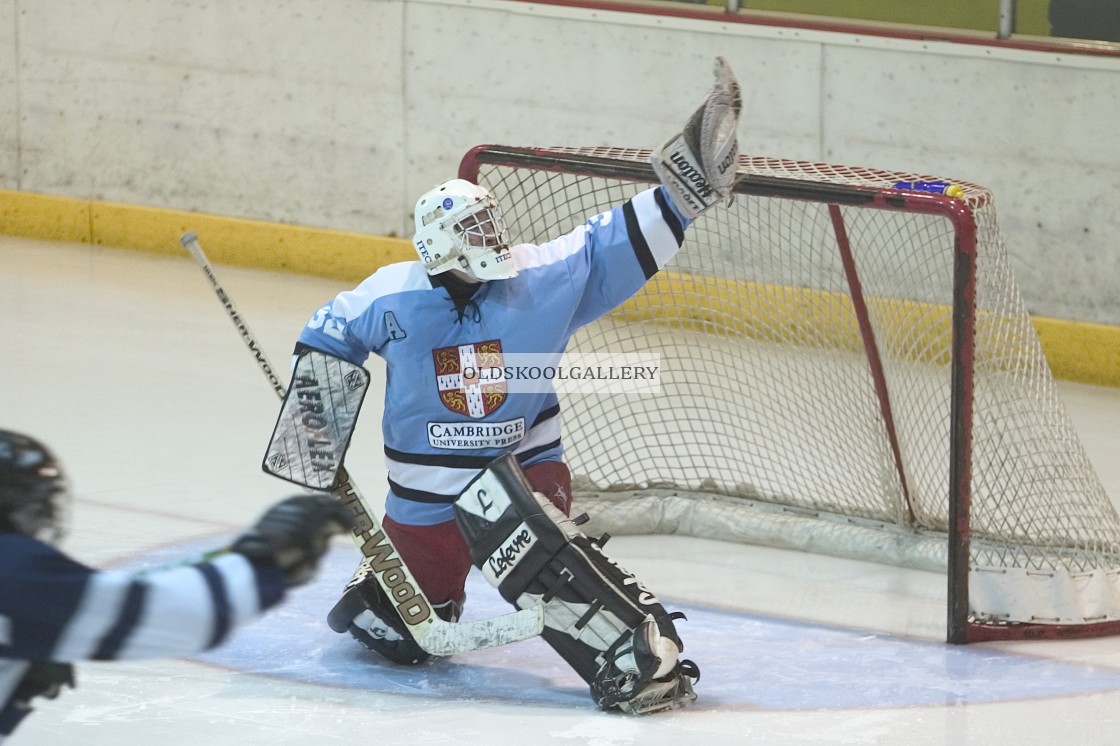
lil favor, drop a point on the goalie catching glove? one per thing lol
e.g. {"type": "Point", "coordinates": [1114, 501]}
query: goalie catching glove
{"type": "Point", "coordinates": [598, 617]}
{"type": "Point", "coordinates": [699, 166]}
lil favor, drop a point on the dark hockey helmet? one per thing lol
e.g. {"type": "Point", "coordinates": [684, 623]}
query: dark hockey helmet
{"type": "Point", "coordinates": [33, 491]}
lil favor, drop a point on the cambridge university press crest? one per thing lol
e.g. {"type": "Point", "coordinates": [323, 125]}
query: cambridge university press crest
{"type": "Point", "coordinates": [469, 377]}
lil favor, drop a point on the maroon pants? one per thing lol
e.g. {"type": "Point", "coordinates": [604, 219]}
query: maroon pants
{"type": "Point", "coordinates": [438, 555]}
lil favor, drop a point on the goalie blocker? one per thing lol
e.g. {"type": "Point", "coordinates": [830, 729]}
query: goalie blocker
{"type": "Point", "coordinates": [598, 617]}
{"type": "Point", "coordinates": [316, 420]}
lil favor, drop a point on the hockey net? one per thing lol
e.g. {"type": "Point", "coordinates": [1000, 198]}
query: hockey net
{"type": "Point", "coordinates": [846, 369]}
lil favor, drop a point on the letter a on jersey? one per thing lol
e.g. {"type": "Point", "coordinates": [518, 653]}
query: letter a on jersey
{"type": "Point", "coordinates": [471, 378]}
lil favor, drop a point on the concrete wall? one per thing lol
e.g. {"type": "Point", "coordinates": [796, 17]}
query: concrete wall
{"type": "Point", "coordinates": [338, 113]}
{"type": "Point", "coordinates": [276, 110]}
{"type": "Point", "coordinates": [9, 94]}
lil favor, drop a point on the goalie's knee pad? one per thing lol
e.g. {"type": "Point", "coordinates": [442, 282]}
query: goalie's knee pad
{"type": "Point", "coordinates": [367, 613]}
{"type": "Point", "coordinates": [598, 617]}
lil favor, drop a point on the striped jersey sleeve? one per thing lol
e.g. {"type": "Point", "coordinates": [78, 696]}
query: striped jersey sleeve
{"type": "Point", "coordinates": [613, 254]}
{"type": "Point", "coordinates": [54, 608]}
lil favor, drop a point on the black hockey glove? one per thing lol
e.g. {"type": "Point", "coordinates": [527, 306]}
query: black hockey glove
{"type": "Point", "coordinates": [294, 533]}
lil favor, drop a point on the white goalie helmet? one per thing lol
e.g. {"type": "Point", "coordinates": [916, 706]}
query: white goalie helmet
{"type": "Point", "coordinates": [459, 226]}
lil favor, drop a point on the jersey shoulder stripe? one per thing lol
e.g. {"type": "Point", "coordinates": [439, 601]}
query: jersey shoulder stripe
{"type": "Point", "coordinates": [391, 279]}
{"type": "Point", "coordinates": [528, 256]}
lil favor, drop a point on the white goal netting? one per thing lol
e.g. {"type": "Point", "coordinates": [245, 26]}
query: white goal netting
{"type": "Point", "coordinates": [809, 365]}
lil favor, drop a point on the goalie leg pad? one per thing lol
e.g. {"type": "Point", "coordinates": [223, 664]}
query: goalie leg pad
{"type": "Point", "coordinates": [611, 630]}
{"type": "Point", "coordinates": [598, 617]}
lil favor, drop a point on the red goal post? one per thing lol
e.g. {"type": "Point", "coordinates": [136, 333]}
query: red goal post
{"type": "Point", "coordinates": [847, 368]}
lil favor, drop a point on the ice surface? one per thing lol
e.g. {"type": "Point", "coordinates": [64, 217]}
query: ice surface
{"type": "Point", "coordinates": [126, 364]}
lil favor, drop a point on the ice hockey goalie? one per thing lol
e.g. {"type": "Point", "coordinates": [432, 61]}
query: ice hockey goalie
{"type": "Point", "coordinates": [598, 617]}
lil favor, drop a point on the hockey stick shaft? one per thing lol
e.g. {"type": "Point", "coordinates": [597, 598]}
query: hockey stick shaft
{"type": "Point", "coordinates": [433, 634]}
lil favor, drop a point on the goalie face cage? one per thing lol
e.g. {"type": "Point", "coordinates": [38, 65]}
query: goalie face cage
{"type": "Point", "coordinates": [846, 369]}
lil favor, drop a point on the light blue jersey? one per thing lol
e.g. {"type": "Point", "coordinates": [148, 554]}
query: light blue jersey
{"type": "Point", "coordinates": [440, 430]}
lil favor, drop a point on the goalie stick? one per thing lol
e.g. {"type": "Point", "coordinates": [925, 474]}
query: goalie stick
{"type": "Point", "coordinates": [433, 634]}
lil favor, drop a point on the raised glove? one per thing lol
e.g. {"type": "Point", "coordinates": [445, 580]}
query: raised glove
{"type": "Point", "coordinates": [699, 165]}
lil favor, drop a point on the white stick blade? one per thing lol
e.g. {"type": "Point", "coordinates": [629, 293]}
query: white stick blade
{"type": "Point", "coordinates": [449, 638]}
